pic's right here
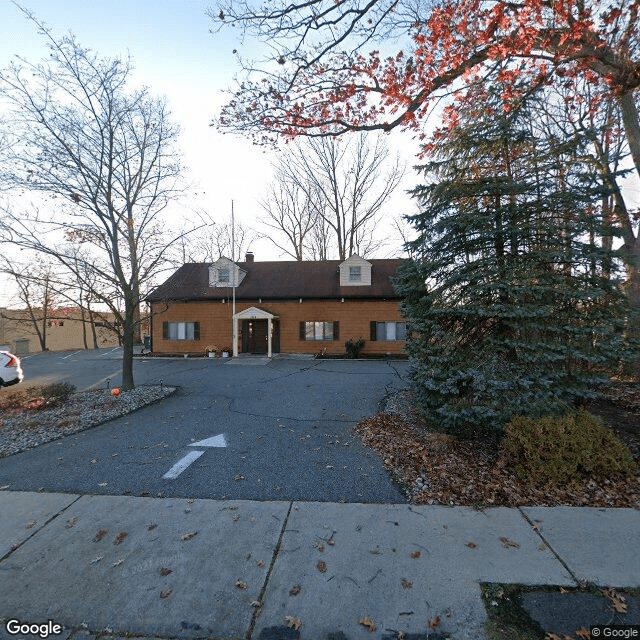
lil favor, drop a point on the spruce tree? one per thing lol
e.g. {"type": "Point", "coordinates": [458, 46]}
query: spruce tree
{"type": "Point", "coordinates": [507, 314]}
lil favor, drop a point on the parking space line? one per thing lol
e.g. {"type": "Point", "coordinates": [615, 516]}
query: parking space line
{"type": "Point", "coordinates": [71, 354]}
{"type": "Point", "coordinates": [108, 352]}
{"type": "Point", "coordinates": [95, 384]}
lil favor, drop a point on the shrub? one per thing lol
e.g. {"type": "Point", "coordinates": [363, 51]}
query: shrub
{"type": "Point", "coordinates": [56, 393]}
{"type": "Point", "coordinates": [354, 347]}
{"type": "Point", "coordinates": [554, 450]}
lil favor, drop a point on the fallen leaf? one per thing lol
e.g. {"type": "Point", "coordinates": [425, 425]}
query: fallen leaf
{"type": "Point", "coordinates": [102, 484]}
{"type": "Point", "coordinates": [319, 546]}
{"type": "Point", "coordinates": [434, 622]}
{"type": "Point", "coordinates": [240, 584]}
{"type": "Point", "coordinates": [406, 584]}
{"type": "Point", "coordinates": [238, 477]}
{"type": "Point", "coordinates": [368, 624]}
{"type": "Point", "coordinates": [165, 572]}
{"type": "Point", "coordinates": [401, 635]}
{"type": "Point", "coordinates": [95, 560]}
{"type": "Point", "coordinates": [415, 554]}
{"type": "Point", "coordinates": [30, 524]}
{"type": "Point", "coordinates": [293, 623]}
{"type": "Point", "coordinates": [255, 603]}
{"type": "Point", "coordinates": [165, 594]}
{"type": "Point", "coordinates": [188, 536]}
{"type": "Point", "coordinates": [152, 526]}
{"type": "Point", "coordinates": [120, 537]}
{"type": "Point", "coordinates": [295, 590]}
{"type": "Point", "coordinates": [552, 636]}
{"type": "Point", "coordinates": [508, 543]}
{"type": "Point", "coordinates": [321, 566]}
{"type": "Point", "coordinates": [71, 522]}
{"type": "Point", "coordinates": [117, 562]}
{"type": "Point", "coordinates": [583, 633]}
{"type": "Point", "coordinates": [260, 563]}
{"type": "Point", "coordinates": [100, 534]}
{"type": "Point", "coordinates": [471, 545]}
{"type": "Point", "coordinates": [617, 600]}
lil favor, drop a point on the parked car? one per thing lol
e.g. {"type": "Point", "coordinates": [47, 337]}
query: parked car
{"type": "Point", "coordinates": [10, 370]}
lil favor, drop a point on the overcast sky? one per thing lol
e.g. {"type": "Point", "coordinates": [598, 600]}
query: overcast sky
{"type": "Point", "coordinates": [176, 55]}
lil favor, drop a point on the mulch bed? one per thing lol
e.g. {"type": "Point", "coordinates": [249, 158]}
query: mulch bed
{"type": "Point", "coordinates": [434, 468]}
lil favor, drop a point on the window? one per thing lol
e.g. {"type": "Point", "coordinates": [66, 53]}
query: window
{"type": "Point", "coordinates": [224, 275]}
{"type": "Point", "coordinates": [355, 274]}
{"type": "Point", "coordinates": [181, 330]}
{"type": "Point", "coordinates": [319, 331]}
{"type": "Point", "coordinates": [390, 331]}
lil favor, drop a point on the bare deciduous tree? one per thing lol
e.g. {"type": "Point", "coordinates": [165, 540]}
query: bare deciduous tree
{"type": "Point", "coordinates": [211, 240]}
{"type": "Point", "coordinates": [332, 186]}
{"type": "Point", "coordinates": [35, 290]}
{"type": "Point", "coordinates": [105, 155]}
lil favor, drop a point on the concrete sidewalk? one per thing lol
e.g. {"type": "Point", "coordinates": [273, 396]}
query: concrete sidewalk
{"type": "Point", "coordinates": [178, 568]}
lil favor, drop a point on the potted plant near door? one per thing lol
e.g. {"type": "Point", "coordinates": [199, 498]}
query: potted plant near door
{"type": "Point", "coordinates": [226, 351]}
{"type": "Point", "coordinates": [211, 350]}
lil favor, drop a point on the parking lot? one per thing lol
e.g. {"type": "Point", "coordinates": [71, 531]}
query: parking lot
{"type": "Point", "coordinates": [266, 430]}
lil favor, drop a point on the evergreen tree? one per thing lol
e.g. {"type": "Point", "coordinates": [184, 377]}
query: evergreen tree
{"type": "Point", "coordinates": [508, 315]}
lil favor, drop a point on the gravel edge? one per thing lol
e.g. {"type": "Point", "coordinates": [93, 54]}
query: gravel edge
{"type": "Point", "coordinates": [82, 411]}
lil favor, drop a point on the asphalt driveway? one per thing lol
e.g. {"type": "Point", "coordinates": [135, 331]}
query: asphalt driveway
{"type": "Point", "coordinates": [287, 426]}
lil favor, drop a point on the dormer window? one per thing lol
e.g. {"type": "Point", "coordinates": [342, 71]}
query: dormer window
{"type": "Point", "coordinates": [225, 273]}
{"type": "Point", "coordinates": [355, 272]}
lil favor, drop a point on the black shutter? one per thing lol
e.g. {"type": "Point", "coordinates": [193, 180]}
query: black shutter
{"type": "Point", "coordinates": [196, 331]}
{"type": "Point", "coordinates": [303, 331]}
{"type": "Point", "coordinates": [336, 330]}
{"type": "Point", "coordinates": [372, 329]}
{"type": "Point", "coordinates": [165, 330]}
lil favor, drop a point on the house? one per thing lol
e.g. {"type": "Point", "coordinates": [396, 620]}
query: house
{"type": "Point", "coordinates": [280, 307]}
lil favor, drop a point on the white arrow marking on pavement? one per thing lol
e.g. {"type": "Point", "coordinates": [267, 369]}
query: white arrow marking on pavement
{"type": "Point", "coordinates": [192, 456]}
{"type": "Point", "coordinates": [182, 464]}
{"type": "Point", "coordinates": [214, 441]}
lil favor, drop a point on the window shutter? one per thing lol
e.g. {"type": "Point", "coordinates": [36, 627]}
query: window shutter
{"type": "Point", "coordinates": [165, 330]}
{"type": "Point", "coordinates": [372, 329]}
{"type": "Point", "coordinates": [196, 331]}
{"type": "Point", "coordinates": [303, 332]}
{"type": "Point", "coordinates": [336, 330]}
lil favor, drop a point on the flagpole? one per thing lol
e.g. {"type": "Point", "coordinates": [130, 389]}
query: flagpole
{"type": "Point", "coordinates": [234, 326]}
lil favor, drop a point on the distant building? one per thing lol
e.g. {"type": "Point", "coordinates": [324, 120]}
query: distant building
{"type": "Point", "coordinates": [281, 307]}
{"type": "Point", "coordinates": [63, 332]}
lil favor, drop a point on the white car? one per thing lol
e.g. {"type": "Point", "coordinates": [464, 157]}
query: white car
{"type": "Point", "coordinates": [10, 370]}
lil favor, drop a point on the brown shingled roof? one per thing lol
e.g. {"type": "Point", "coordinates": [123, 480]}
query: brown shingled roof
{"type": "Point", "coordinates": [278, 280]}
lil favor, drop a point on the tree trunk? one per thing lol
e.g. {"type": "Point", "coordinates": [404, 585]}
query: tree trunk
{"type": "Point", "coordinates": [127, 343]}
{"type": "Point", "coordinates": [128, 333]}
{"type": "Point", "coordinates": [93, 327]}
{"type": "Point", "coordinates": [84, 326]}
{"type": "Point", "coordinates": [631, 126]}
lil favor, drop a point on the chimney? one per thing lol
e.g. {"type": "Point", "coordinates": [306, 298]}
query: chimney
{"type": "Point", "coordinates": [249, 256]}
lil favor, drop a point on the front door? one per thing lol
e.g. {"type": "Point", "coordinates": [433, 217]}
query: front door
{"type": "Point", "coordinates": [257, 336]}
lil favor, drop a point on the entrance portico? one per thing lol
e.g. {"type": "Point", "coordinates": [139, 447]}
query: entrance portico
{"type": "Point", "coordinates": [250, 318]}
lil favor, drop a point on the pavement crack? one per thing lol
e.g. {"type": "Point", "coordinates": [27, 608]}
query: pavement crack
{"type": "Point", "coordinates": [536, 528]}
{"type": "Point", "coordinates": [276, 551]}
{"type": "Point", "coordinates": [15, 547]}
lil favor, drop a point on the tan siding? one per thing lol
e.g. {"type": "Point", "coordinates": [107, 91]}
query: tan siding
{"type": "Point", "coordinates": [354, 317]}
{"type": "Point", "coordinates": [65, 332]}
